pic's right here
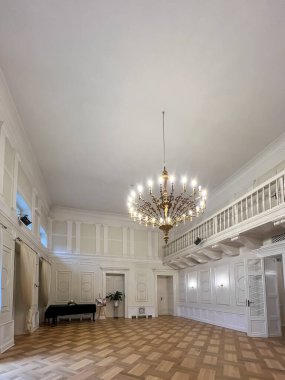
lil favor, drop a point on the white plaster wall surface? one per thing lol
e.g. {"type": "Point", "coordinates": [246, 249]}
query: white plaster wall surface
{"type": "Point", "coordinates": [215, 292]}
{"type": "Point", "coordinates": [67, 280]}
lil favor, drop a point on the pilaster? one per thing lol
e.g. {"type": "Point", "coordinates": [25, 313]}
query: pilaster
{"type": "Point", "coordinates": [98, 238]}
{"type": "Point", "coordinates": [106, 245]}
{"type": "Point", "coordinates": [69, 235]}
{"type": "Point", "coordinates": [2, 158]}
{"type": "Point", "coordinates": [77, 237]}
{"type": "Point", "coordinates": [15, 180]}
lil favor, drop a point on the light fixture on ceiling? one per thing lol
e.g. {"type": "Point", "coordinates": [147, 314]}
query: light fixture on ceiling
{"type": "Point", "coordinates": [170, 206]}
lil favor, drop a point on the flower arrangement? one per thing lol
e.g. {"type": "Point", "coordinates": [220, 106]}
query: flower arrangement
{"type": "Point", "coordinates": [101, 301]}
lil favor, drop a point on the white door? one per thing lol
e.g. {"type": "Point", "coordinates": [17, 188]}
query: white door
{"type": "Point", "coordinates": [272, 297]}
{"type": "Point", "coordinates": [165, 295]}
{"type": "Point", "coordinates": [115, 282]}
{"type": "Point", "coordinates": [256, 299]}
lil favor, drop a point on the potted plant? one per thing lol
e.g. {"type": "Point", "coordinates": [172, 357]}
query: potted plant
{"type": "Point", "coordinates": [116, 297]}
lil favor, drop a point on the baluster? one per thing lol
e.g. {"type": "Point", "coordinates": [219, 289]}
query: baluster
{"type": "Point", "coordinates": [257, 203]}
{"type": "Point", "coordinates": [215, 225]}
{"type": "Point", "coordinates": [282, 184]}
{"type": "Point", "coordinates": [277, 192]}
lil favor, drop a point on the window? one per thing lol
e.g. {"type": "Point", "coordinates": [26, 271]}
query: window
{"type": "Point", "coordinates": [43, 236]}
{"type": "Point", "coordinates": [23, 209]}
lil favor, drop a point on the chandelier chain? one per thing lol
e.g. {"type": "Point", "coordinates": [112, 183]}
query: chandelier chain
{"type": "Point", "coordinates": [164, 162]}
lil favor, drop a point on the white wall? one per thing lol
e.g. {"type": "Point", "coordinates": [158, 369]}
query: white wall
{"type": "Point", "coordinates": [215, 292]}
{"type": "Point", "coordinates": [86, 247]}
{"type": "Point", "coordinates": [19, 170]}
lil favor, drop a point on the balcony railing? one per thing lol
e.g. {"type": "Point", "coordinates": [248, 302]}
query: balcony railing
{"type": "Point", "coordinates": [265, 197]}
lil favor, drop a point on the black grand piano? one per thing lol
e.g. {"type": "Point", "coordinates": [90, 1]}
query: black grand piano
{"type": "Point", "coordinates": [53, 311]}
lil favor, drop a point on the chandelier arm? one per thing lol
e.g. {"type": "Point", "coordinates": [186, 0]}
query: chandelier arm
{"type": "Point", "coordinates": [142, 207]}
{"type": "Point", "coordinates": [185, 205]}
{"type": "Point", "coordinates": [157, 204]}
{"type": "Point", "coordinates": [176, 202]}
{"type": "Point", "coordinates": [147, 210]}
{"type": "Point", "coordinates": [147, 207]}
{"type": "Point", "coordinates": [171, 197]}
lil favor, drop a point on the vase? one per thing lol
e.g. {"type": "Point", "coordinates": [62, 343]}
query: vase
{"type": "Point", "coordinates": [116, 303]}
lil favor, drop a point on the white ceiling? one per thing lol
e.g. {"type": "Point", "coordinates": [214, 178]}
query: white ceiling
{"type": "Point", "coordinates": [90, 79]}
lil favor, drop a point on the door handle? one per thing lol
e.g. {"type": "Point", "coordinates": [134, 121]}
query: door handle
{"type": "Point", "coordinates": [160, 298]}
{"type": "Point", "coordinates": [249, 302]}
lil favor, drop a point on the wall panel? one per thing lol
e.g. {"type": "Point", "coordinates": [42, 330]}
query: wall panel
{"type": "Point", "coordinates": [63, 286]}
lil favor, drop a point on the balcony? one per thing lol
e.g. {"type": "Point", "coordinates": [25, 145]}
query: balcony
{"type": "Point", "coordinates": [249, 221]}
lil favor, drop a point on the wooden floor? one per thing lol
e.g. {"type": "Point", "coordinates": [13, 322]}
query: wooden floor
{"type": "Point", "coordinates": [151, 349]}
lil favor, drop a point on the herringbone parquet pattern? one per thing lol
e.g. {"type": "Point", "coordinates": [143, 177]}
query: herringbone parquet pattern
{"type": "Point", "coordinates": [152, 349]}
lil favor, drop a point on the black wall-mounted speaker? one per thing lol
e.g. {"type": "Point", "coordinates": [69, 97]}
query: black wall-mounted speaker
{"type": "Point", "coordinates": [25, 219]}
{"type": "Point", "coordinates": [197, 241]}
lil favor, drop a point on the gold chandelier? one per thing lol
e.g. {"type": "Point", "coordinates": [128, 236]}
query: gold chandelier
{"type": "Point", "coordinates": [170, 206]}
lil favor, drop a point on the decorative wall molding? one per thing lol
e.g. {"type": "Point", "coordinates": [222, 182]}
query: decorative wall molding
{"type": "Point", "coordinates": [182, 287]}
{"type": "Point", "coordinates": [63, 286]}
{"type": "Point", "coordinates": [141, 287]}
{"type": "Point", "coordinates": [7, 336]}
{"type": "Point", "coordinates": [87, 287]}
{"type": "Point", "coordinates": [192, 286]}
{"type": "Point", "coordinates": [205, 288]}
{"type": "Point", "coordinates": [240, 294]}
{"type": "Point", "coordinates": [222, 285]}
{"type": "Point", "coordinates": [227, 319]}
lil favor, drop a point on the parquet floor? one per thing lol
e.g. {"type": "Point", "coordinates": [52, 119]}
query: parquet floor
{"type": "Point", "coordinates": [152, 349]}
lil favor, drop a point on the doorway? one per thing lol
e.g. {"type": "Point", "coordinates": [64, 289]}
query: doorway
{"type": "Point", "coordinates": [115, 282]}
{"type": "Point", "coordinates": [165, 295]}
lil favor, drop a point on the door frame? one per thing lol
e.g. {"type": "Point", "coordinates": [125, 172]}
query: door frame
{"type": "Point", "coordinates": [168, 273]}
{"type": "Point", "coordinates": [125, 273]}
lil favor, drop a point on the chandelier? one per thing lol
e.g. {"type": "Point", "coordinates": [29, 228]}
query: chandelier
{"type": "Point", "coordinates": [169, 205]}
